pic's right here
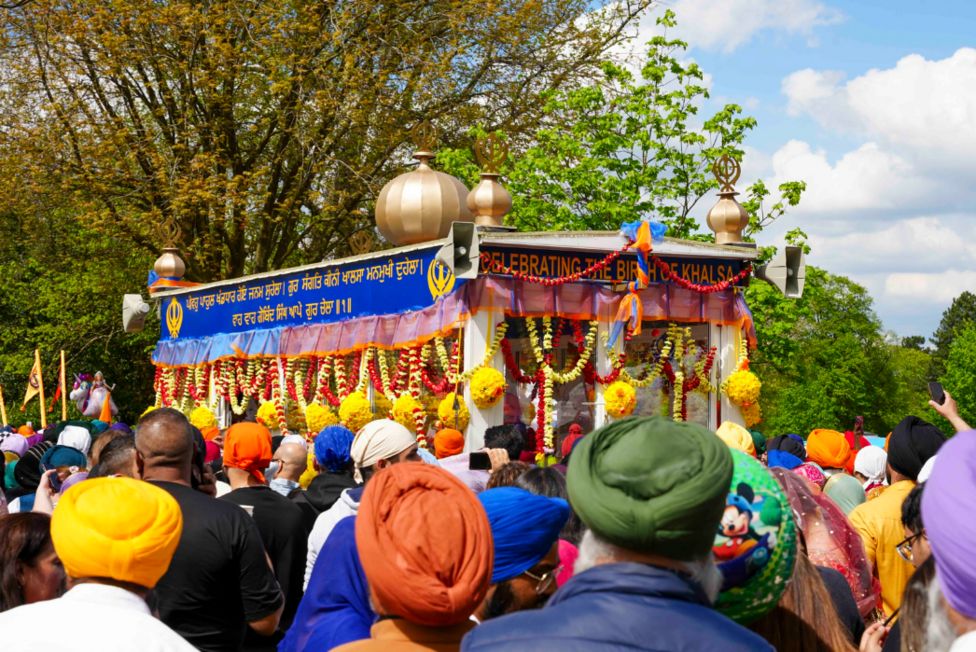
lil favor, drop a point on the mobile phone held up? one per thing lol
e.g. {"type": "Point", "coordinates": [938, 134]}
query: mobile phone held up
{"type": "Point", "coordinates": [479, 462]}
{"type": "Point", "coordinates": [936, 392]}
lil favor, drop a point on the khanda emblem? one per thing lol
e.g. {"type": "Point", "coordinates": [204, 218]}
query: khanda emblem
{"type": "Point", "coordinates": [440, 279]}
{"type": "Point", "coordinates": [174, 318]}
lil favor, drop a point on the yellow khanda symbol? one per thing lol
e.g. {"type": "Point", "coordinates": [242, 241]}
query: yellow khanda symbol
{"type": "Point", "coordinates": [440, 279]}
{"type": "Point", "coordinates": [174, 318]}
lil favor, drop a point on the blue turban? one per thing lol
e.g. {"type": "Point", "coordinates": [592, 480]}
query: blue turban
{"type": "Point", "coordinates": [98, 426]}
{"type": "Point", "coordinates": [332, 448]}
{"type": "Point", "coordinates": [786, 460]}
{"type": "Point", "coordinates": [524, 528]}
{"type": "Point", "coordinates": [63, 456]}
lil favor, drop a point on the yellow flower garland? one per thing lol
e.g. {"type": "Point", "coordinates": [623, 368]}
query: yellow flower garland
{"type": "Point", "coordinates": [318, 417]}
{"type": "Point", "coordinates": [620, 398]}
{"type": "Point", "coordinates": [267, 414]}
{"type": "Point", "coordinates": [742, 387]}
{"type": "Point", "coordinates": [202, 417]}
{"type": "Point", "coordinates": [354, 411]}
{"type": "Point", "coordinates": [752, 414]}
{"type": "Point", "coordinates": [487, 387]}
{"type": "Point", "coordinates": [404, 411]}
{"type": "Point", "coordinates": [445, 412]}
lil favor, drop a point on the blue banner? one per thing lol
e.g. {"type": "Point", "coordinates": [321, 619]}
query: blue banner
{"type": "Point", "coordinates": [330, 293]}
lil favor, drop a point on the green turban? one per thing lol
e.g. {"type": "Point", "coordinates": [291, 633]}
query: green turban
{"type": "Point", "coordinates": [652, 485]}
{"type": "Point", "coordinates": [759, 440]}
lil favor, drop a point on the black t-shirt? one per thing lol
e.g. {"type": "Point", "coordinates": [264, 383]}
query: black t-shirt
{"type": "Point", "coordinates": [844, 603]}
{"type": "Point", "coordinates": [219, 579]}
{"type": "Point", "coordinates": [282, 526]}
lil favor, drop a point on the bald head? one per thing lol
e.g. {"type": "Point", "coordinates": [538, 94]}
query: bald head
{"type": "Point", "coordinates": [164, 440]}
{"type": "Point", "coordinates": [294, 460]}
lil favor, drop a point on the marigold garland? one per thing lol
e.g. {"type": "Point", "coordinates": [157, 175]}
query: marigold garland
{"type": "Point", "coordinates": [202, 418]}
{"type": "Point", "coordinates": [318, 417]}
{"type": "Point", "coordinates": [409, 412]}
{"type": "Point", "coordinates": [354, 411]}
{"type": "Point", "coordinates": [620, 399]}
{"type": "Point", "coordinates": [752, 415]}
{"type": "Point", "coordinates": [448, 417]}
{"type": "Point", "coordinates": [742, 387]}
{"type": "Point", "coordinates": [487, 387]}
{"type": "Point", "coordinates": [267, 414]}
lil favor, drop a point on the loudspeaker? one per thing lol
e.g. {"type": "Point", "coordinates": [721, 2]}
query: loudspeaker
{"type": "Point", "coordinates": [461, 253]}
{"type": "Point", "coordinates": [134, 311]}
{"type": "Point", "coordinates": [786, 272]}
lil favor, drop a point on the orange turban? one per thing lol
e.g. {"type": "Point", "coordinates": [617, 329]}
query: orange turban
{"type": "Point", "coordinates": [25, 431]}
{"type": "Point", "coordinates": [117, 528]}
{"type": "Point", "coordinates": [247, 446]}
{"type": "Point", "coordinates": [425, 545]}
{"type": "Point", "coordinates": [448, 442]}
{"type": "Point", "coordinates": [210, 432]}
{"type": "Point", "coordinates": [828, 448]}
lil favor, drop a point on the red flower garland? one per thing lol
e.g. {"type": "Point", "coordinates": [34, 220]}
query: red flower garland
{"type": "Point", "coordinates": [520, 377]}
{"type": "Point", "coordinates": [668, 275]}
{"type": "Point", "coordinates": [498, 268]}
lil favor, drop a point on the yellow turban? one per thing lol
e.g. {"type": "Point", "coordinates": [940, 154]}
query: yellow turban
{"type": "Point", "coordinates": [737, 437]}
{"type": "Point", "coordinates": [116, 528]}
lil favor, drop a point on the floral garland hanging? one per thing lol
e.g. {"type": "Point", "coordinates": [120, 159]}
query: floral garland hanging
{"type": "Point", "coordinates": [450, 418]}
{"type": "Point", "coordinates": [487, 387]}
{"type": "Point", "coordinates": [409, 412]}
{"type": "Point", "coordinates": [620, 399]}
{"type": "Point", "coordinates": [202, 418]}
{"type": "Point", "coordinates": [743, 387]}
{"type": "Point", "coordinates": [355, 411]}
{"type": "Point", "coordinates": [318, 417]}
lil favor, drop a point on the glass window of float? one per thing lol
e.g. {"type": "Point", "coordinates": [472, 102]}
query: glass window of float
{"type": "Point", "coordinates": [657, 398]}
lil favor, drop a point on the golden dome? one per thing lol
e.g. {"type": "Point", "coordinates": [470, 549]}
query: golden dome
{"type": "Point", "coordinates": [489, 201]}
{"type": "Point", "coordinates": [727, 218]}
{"type": "Point", "coordinates": [420, 205]}
{"type": "Point", "coordinates": [169, 264]}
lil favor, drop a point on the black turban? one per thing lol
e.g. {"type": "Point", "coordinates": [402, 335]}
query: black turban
{"type": "Point", "coordinates": [787, 444]}
{"type": "Point", "coordinates": [27, 473]}
{"type": "Point", "coordinates": [913, 442]}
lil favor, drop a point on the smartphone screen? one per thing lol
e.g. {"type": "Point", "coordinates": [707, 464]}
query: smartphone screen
{"type": "Point", "coordinates": [479, 462]}
{"type": "Point", "coordinates": [936, 392]}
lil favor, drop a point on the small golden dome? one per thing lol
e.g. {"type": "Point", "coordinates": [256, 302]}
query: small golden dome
{"type": "Point", "coordinates": [727, 218]}
{"type": "Point", "coordinates": [169, 264]}
{"type": "Point", "coordinates": [420, 205]}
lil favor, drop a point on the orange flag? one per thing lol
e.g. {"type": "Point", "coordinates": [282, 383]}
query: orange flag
{"type": "Point", "coordinates": [106, 413]}
{"type": "Point", "coordinates": [33, 381]}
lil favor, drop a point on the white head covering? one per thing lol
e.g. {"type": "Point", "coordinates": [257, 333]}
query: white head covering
{"type": "Point", "coordinates": [76, 437]}
{"type": "Point", "coordinates": [926, 470]}
{"type": "Point", "coordinates": [379, 440]}
{"type": "Point", "coordinates": [295, 439]}
{"type": "Point", "coordinates": [871, 462]}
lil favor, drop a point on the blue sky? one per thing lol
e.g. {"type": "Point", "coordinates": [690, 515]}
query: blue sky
{"type": "Point", "coordinates": [874, 105]}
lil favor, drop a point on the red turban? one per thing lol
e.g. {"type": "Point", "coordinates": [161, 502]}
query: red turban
{"type": "Point", "coordinates": [247, 446]}
{"type": "Point", "coordinates": [828, 448]}
{"type": "Point", "coordinates": [425, 545]}
{"type": "Point", "coordinates": [448, 442]}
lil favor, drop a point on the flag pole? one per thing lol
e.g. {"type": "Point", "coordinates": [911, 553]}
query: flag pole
{"type": "Point", "coordinates": [40, 387]}
{"type": "Point", "coordinates": [64, 391]}
{"type": "Point", "coordinates": [3, 407]}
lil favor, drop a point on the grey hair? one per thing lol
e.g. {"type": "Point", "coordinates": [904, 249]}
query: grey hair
{"type": "Point", "coordinates": [594, 551]}
{"type": "Point", "coordinates": [939, 632]}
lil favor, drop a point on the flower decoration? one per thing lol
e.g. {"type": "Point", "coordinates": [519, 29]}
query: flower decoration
{"type": "Point", "coordinates": [451, 419]}
{"type": "Point", "coordinates": [147, 411]}
{"type": "Point", "coordinates": [404, 411]}
{"type": "Point", "coordinates": [354, 411]}
{"type": "Point", "coordinates": [487, 387]}
{"type": "Point", "coordinates": [620, 398]}
{"type": "Point", "coordinates": [752, 414]}
{"type": "Point", "coordinates": [202, 417]}
{"type": "Point", "coordinates": [318, 417]}
{"type": "Point", "coordinates": [742, 387]}
{"type": "Point", "coordinates": [267, 414]}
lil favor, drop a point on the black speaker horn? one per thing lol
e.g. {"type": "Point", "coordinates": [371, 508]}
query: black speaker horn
{"type": "Point", "coordinates": [461, 253]}
{"type": "Point", "coordinates": [786, 272]}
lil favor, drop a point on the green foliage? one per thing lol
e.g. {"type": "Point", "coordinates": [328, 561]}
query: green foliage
{"type": "Point", "coordinates": [960, 374]}
{"type": "Point", "coordinates": [622, 148]}
{"type": "Point", "coordinates": [822, 358]}
{"type": "Point", "coordinates": [959, 315]}
{"type": "Point", "coordinates": [61, 288]}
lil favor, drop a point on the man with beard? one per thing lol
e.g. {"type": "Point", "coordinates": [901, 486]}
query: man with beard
{"type": "Point", "coordinates": [651, 493]}
{"type": "Point", "coordinates": [524, 531]}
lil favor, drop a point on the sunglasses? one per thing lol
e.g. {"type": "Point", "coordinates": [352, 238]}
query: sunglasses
{"type": "Point", "coordinates": [545, 581]}
{"type": "Point", "coordinates": [905, 547]}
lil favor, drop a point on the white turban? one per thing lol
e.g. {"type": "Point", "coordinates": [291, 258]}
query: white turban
{"type": "Point", "coordinates": [871, 462]}
{"type": "Point", "coordinates": [76, 437]}
{"type": "Point", "coordinates": [926, 471]}
{"type": "Point", "coordinates": [295, 439]}
{"type": "Point", "coordinates": [379, 440]}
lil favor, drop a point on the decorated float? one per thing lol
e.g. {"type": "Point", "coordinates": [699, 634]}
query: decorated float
{"type": "Point", "coordinates": [466, 323]}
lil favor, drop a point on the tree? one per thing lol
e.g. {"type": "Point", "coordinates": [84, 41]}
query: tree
{"type": "Point", "coordinates": [822, 358]}
{"type": "Point", "coordinates": [960, 314]}
{"type": "Point", "coordinates": [916, 342]}
{"type": "Point", "coordinates": [620, 148]}
{"type": "Point", "coordinates": [258, 132]}
{"type": "Point", "coordinates": [960, 373]}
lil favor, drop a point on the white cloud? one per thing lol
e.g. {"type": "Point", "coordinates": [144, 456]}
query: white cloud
{"type": "Point", "coordinates": [898, 212]}
{"type": "Point", "coordinates": [725, 25]}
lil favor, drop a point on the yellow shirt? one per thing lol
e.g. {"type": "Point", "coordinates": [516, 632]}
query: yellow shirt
{"type": "Point", "coordinates": [878, 522]}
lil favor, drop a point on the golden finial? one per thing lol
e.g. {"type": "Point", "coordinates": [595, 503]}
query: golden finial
{"type": "Point", "coordinates": [491, 152]}
{"type": "Point", "coordinates": [361, 242]}
{"type": "Point", "coordinates": [726, 171]}
{"type": "Point", "coordinates": [425, 139]}
{"type": "Point", "coordinates": [169, 232]}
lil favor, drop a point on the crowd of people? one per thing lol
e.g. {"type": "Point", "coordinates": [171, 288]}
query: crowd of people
{"type": "Point", "coordinates": [646, 534]}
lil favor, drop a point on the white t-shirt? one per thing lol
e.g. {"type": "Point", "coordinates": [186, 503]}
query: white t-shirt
{"type": "Point", "coordinates": [88, 618]}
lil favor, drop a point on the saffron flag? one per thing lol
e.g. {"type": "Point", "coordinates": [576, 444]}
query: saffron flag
{"type": "Point", "coordinates": [33, 382]}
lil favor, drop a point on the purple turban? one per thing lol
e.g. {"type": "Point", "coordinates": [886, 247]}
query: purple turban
{"type": "Point", "coordinates": [949, 513]}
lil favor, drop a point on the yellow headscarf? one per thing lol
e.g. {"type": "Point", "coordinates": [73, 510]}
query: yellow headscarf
{"type": "Point", "coordinates": [737, 437]}
{"type": "Point", "coordinates": [116, 528]}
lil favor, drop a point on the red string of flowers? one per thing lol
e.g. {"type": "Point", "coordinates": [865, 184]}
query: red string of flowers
{"type": "Point", "coordinates": [668, 275]}
{"type": "Point", "coordinates": [498, 268]}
